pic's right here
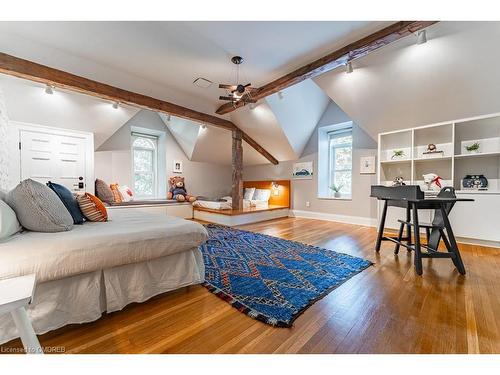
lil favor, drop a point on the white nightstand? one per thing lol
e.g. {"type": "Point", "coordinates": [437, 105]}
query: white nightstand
{"type": "Point", "coordinates": [15, 295]}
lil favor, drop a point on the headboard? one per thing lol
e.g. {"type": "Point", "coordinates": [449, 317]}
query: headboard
{"type": "Point", "coordinates": [283, 191]}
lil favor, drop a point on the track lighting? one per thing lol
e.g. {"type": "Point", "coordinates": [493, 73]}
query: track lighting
{"type": "Point", "coordinates": [421, 37]}
{"type": "Point", "coordinates": [252, 106]}
{"type": "Point", "coordinates": [49, 89]}
{"type": "Point", "coordinates": [203, 126]}
{"type": "Point", "coordinates": [169, 118]}
{"type": "Point", "coordinates": [280, 95]}
{"type": "Point", "coordinates": [348, 68]}
{"type": "Point", "coordinates": [116, 105]}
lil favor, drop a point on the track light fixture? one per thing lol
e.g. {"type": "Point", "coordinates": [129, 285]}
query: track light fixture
{"type": "Point", "coordinates": [203, 126]}
{"type": "Point", "coordinates": [169, 118]}
{"type": "Point", "coordinates": [280, 95]}
{"type": "Point", "coordinates": [252, 106]}
{"type": "Point", "coordinates": [421, 37]}
{"type": "Point", "coordinates": [348, 68]}
{"type": "Point", "coordinates": [49, 89]}
{"type": "Point", "coordinates": [116, 105]}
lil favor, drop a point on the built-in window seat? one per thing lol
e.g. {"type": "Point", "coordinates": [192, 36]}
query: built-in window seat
{"type": "Point", "coordinates": [168, 207]}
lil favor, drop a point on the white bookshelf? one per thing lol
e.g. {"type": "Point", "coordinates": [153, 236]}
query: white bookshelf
{"type": "Point", "coordinates": [452, 164]}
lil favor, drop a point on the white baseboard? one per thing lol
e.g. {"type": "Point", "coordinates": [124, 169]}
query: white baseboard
{"type": "Point", "coordinates": [357, 220]}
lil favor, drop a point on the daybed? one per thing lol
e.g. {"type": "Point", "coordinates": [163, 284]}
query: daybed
{"type": "Point", "coordinates": [98, 267]}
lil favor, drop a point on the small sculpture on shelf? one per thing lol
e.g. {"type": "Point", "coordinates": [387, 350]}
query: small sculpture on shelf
{"type": "Point", "coordinates": [475, 181]}
{"type": "Point", "coordinates": [432, 150]}
{"type": "Point", "coordinates": [432, 181]}
{"type": "Point", "coordinates": [398, 154]}
{"type": "Point", "coordinates": [398, 181]}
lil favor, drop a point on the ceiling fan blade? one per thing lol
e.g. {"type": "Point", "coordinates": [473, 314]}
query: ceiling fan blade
{"type": "Point", "coordinates": [226, 98]}
{"type": "Point", "coordinates": [247, 85]}
{"type": "Point", "coordinates": [227, 87]}
{"type": "Point", "coordinates": [250, 101]}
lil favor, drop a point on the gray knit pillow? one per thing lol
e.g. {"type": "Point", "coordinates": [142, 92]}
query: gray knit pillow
{"type": "Point", "coordinates": [104, 192]}
{"type": "Point", "coordinates": [38, 208]}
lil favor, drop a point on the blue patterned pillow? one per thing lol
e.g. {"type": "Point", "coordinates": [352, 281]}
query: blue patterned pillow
{"type": "Point", "coordinates": [69, 202]}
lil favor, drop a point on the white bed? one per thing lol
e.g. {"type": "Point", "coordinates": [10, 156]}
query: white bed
{"type": "Point", "coordinates": [226, 203]}
{"type": "Point", "coordinates": [101, 267]}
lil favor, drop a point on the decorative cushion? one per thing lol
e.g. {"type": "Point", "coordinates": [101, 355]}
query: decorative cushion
{"type": "Point", "coordinates": [69, 201]}
{"type": "Point", "coordinates": [262, 195]}
{"type": "Point", "coordinates": [248, 193]}
{"type": "Point", "coordinates": [103, 191]}
{"type": "Point", "coordinates": [38, 208]}
{"type": "Point", "coordinates": [92, 207]}
{"type": "Point", "coordinates": [117, 196]}
{"type": "Point", "coordinates": [126, 192]}
{"type": "Point", "coordinates": [9, 225]}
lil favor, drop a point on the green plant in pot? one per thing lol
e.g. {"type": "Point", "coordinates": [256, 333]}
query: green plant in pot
{"type": "Point", "coordinates": [336, 190]}
{"type": "Point", "coordinates": [473, 147]}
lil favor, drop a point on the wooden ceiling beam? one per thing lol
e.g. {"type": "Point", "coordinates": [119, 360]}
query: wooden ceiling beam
{"type": "Point", "coordinates": [355, 50]}
{"type": "Point", "coordinates": [32, 71]}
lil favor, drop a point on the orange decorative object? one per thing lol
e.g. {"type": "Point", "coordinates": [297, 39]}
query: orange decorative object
{"type": "Point", "coordinates": [92, 207]}
{"type": "Point", "coordinates": [117, 196]}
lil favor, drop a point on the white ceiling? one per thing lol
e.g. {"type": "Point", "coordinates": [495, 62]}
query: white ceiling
{"type": "Point", "coordinates": [172, 54]}
{"type": "Point", "coordinates": [27, 102]}
{"type": "Point", "coordinates": [454, 75]}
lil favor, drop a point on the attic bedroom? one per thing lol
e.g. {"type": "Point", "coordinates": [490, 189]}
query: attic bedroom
{"type": "Point", "coordinates": [249, 187]}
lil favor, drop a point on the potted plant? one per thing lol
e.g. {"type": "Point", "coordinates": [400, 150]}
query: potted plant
{"type": "Point", "coordinates": [397, 154]}
{"type": "Point", "coordinates": [336, 190]}
{"type": "Point", "coordinates": [473, 148]}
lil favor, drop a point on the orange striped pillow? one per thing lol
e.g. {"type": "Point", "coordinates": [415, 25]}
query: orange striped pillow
{"type": "Point", "coordinates": [117, 196]}
{"type": "Point", "coordinates": [92, 207]}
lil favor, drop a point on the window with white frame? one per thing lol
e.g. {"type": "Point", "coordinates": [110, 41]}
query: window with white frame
{"type": "Point", "coordinates": [340, 162]}
{"type": "Point", "coordinates": [145, 165]}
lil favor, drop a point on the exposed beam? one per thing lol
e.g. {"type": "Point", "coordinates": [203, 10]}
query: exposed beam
{"type": "Point", "coordinates": [32, 71]}
{"type": "Point", "coordinates": [237, 165]}
{"type": "Point", "coordinates": [355, 50]}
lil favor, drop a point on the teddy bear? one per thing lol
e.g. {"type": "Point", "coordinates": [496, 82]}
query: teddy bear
{"type": "Point", "coordinates": [178, 191]}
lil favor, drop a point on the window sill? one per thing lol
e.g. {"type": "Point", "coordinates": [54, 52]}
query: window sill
{"type": "Point", "coordinates": [344, 198]}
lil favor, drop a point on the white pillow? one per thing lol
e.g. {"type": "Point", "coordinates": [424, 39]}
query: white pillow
{"type": "Point", "coordinates": [126, 193]}
{"type": "Point", "coordinates": [262, 195]}
{"type": "Point", "coordinates": [9, 225]}
{"type": "Point", "coordinates": [249, 193]}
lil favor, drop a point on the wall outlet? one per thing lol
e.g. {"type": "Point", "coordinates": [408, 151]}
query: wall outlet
{"type": "Point", "coordinates": [308, 204]}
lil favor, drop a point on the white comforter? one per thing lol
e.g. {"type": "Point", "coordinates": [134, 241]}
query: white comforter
{"type": "Point", "coordinates": [127, 238]}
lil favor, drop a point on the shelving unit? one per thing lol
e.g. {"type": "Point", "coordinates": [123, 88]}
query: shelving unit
{"type": "Point", "coordinates": [452, 164]}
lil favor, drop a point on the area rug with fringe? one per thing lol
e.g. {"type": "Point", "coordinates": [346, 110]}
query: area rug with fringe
{"type": "Point", "coordinates": [271, 279]}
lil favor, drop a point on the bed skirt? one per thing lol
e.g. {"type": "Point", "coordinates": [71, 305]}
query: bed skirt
{"type": "Point", "coordinates": [83, 298]}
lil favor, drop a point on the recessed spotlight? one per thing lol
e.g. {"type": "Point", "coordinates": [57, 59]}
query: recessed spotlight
{"type": "Point", "coordinates": [116, 105]}
{"type": "Point", "coordinates": [49, 89]}
{"type": "Point", "coordinates": [280, 95]}
{"type": "Point", "coordinates": [348, 68]}
{"type": "Point", "coordinates": [421, 37]}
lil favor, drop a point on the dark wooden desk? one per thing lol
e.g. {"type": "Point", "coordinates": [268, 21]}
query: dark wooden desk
{"type": "Point", "coordinates": [413, 199]}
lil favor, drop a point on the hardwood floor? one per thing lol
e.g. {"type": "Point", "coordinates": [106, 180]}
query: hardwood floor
{"type": "Point", "coordinates": [384, 309]}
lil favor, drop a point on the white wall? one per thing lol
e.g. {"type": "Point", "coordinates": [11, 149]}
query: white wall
{"type": "Point", "coordinates": [360, 206]}
{"type": "Point", "coordinates": [113, 160]}
{"type": "Point", "coordinates": [4, 154]}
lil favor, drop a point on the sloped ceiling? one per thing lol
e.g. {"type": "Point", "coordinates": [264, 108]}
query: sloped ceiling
{"type": "Point", "coordinates": [27, 101]}
{"type": "Point", "coordinates": [184, 131]}
{"type": "Point", "coordinates": [164, 58]}
{"type": "Point", "coordinates": [298, 111]}
{"type": "Point", "coordinates": [454, 75]}
{"type": "Point", "coordinates": [262, 125]}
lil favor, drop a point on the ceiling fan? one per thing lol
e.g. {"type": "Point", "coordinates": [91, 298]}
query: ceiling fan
{"type": "Point", "coordinates": [238, 93]}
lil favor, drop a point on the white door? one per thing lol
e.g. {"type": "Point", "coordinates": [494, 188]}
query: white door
{"type": "Point", "coordinates": [53, 157]}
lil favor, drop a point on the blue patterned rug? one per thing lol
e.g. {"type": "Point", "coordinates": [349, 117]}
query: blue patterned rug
{"type": "Point", "coordinates": [271, 279]}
